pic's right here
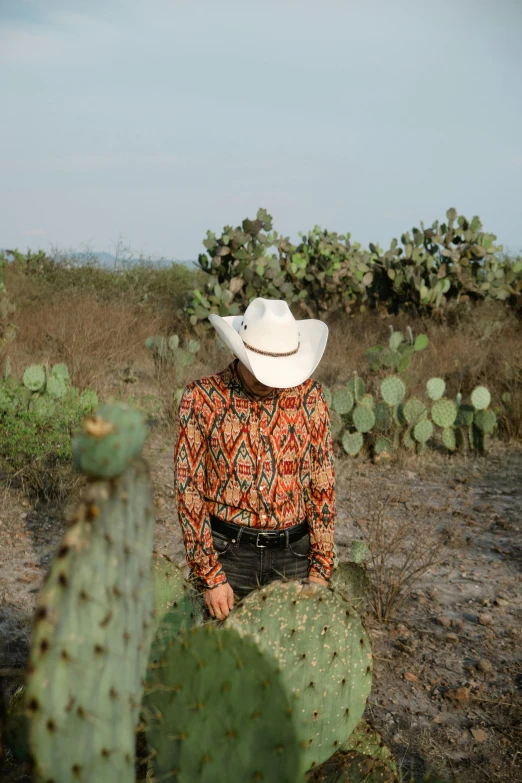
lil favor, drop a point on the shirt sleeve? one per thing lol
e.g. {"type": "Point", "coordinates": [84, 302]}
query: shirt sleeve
{"type": "Point", "coordinates": [189, 487]}
{"type": "Point", "coordinates": [321, 500]}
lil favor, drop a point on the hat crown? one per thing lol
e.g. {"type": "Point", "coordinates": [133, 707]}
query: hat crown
{"type": "Point", "coordinates": [268, 325]}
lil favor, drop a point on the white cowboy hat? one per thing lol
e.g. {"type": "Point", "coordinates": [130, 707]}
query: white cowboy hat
{"type": "Point", "coordinates": [278, 350]}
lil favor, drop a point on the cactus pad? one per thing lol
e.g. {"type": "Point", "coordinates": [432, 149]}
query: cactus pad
{"type": "Point", "coordinates": [351, 581]}
{"type": "Point", "coordinates": [449, 439]}
{"type": "Point", "coordinates": [367, 400]}
{"type": "Point", "coordinates": [435, 388]}
{"type": "Point", "coordinates": [91, 637]}
{"type": "Point", "coordinates": [177, 604]}
{"type": "Point", "coordinates": [43, 407]}
{"type": "Point", "coordinates": [356, 387]}
{"type": "Point", "coordinates": [423, 431]}
{"type": "Point", "coordinates": [56, 387]}
{"type": "Point", "coordinates": [480, 398]}
{"type": "Point", "coordinates": [349, 766]}
{"type": "Point", "coordinates": [336, 424]}
{"type": "Point", "coordinates": [383, 446]}
{"type": "Point", "coordinates": [217, 707]}
{"type": "Point", "coordinates": [366, 740]}
{"type": "Point", "coordinates": [396, 340]}
{"type": "Point", "coordinates": [359, 551]}
{"type": "Point", "coordinates": [88, 400]}
{"type": "Point", "coordinates": [342, 400]}
{"type": "Point", "coordinates": [111, 438]}
{"type": "Point", "coordinates": [465, 416]}
{"type": "Point", "coordinates": [421, 342]}
{"type": "Point", "coordinates": [324, 654]}
{"type": "Point", "coordinates": [393, 391]}
{"type": "Point", "coordinates": [327, 395]}
{"type": "Point", "coordinates": [363, 418]}
{"type": "Point", "coordinates": [382, 417]}
{"type": "Point", "coordinates": [414, 410]}
{"type": "Point", "coordinates": [444, 413]}
{"type": "Point", "coordinates": [485, 421]}
{"type": "Point", "coordinates": [34, 377]}
{"type": "Point", "coordinates": [352, 443]}
{"type": "Point", "coordinates": [390, 358]}
{"type": "Point", "coordinates": [60, 371]}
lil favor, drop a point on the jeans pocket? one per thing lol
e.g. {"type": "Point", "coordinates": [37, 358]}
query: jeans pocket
{"type": "Point", "coordinates": [221, 543]}
{"type": "Point", "coordinates": [301, 547]}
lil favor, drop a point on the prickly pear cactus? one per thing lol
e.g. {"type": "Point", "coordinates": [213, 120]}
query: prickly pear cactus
{"type": "Point", "coordinates": [324, 654]}
{"type": "Point", "coordinates": [34, 377]}
{"type": "Point", "coordinates": [91, 637]}
{"type": "Point", "coordinates": [216, 709]}
{"type": "Point", "coordinates": [435, 388]}
{"type": "Point", "coordinates": [352, 767]}
{"type": "Point", "coordinates": [111, 438]}
{"type": "Point", "coordinates": [393, 391]}
{"type": "Point", "coordinates": [352, 443]}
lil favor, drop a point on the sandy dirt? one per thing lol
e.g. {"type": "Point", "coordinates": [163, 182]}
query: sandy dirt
{"type": "Point", "coordinates": [447, 692]}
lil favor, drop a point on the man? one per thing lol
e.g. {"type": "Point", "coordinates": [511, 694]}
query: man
{"type": "Point", "coordinates": [254, 474]}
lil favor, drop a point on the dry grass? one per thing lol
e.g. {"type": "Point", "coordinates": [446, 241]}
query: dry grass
{"type": "Point", "coordinates": [92, 338]}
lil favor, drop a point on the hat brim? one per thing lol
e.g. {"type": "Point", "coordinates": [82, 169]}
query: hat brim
{"type": "Point", "coordinates": [281, 372]}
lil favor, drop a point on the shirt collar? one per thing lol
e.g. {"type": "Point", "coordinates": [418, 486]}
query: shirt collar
{"type": "Point", "coordinates": [234, 382]}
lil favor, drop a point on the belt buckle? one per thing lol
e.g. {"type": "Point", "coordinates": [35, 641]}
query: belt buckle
{"type": "Point", "coordinates": [258, 545]}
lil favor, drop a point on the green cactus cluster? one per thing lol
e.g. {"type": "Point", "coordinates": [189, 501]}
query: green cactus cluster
{"type": "Point", "coordinates": [38, 414]}
{"type": "Point", "coordinates": [361, 420]}
{"type": "Point", "coordinates": [398, 354]}
{"type": "Point", "coordinates": [42, 392]}
{"type": "Point", "coordinates": [429, 270]}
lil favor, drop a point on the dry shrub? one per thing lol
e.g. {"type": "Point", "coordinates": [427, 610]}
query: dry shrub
{"type": "Point", "coordinates": [92, 338]}
{"type": "Point", "coordinates": [405, 539]}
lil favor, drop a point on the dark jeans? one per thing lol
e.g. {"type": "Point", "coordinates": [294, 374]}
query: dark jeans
{"type": "Point", "coordinates": [248, 566]}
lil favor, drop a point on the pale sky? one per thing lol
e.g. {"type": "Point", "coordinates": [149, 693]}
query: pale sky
{"type": "Point", "coordinates": [155, 120]}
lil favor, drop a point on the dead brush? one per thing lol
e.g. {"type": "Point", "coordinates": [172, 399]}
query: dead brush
{"type": "Point", "coordinates": [94, 339]}
{"type": "Point", "coordinates": [405, 539]}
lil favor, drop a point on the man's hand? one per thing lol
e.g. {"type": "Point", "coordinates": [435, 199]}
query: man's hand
{"type": "Point", "coordinates": [220, 601]}
{"type": "Point", "coordinates": [318, 580]}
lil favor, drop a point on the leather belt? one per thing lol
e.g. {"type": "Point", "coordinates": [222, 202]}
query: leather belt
{"type": "Point", "coordinates": [242, 534]}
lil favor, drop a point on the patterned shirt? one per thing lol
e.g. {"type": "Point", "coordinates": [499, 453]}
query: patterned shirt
{"type": "Point", "coordinates": [267, 464]}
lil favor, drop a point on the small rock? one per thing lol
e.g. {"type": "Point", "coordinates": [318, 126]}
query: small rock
{"type": "Point", "coordinates": [444, 621]}
{"type": "Point", "coordinates": [410, 677]}
{"type": "Point", "coordinates": [485, 666]}
{"type": "Point", "coordinates": [501, 601]}
{"type": "Point", "coordinates": [452, 638]}
{"type": "Point", "coordinates": [485, 619]}
{"type": "Point", "coordinates": [457, 624]}
{"type": "Point", "coordinates": [460, 695]}
{"type": "Point", "coordinates": [479, 735]}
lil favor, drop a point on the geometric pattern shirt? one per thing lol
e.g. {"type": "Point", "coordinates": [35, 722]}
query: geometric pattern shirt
{"type": "Point", "coordinates": [266, 464]}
